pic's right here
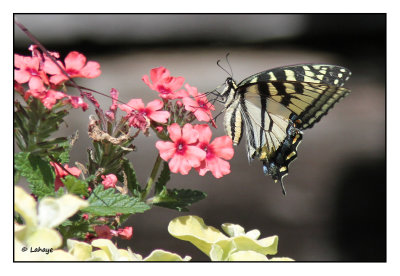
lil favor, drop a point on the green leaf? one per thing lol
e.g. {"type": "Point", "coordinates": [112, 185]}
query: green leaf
{"type": "Point", "coordinates": [109, 202]}
{"type": "Point", "coordinates": [74, 229]}
{"type": "Point", "coordinates": [60, 192]}
{"type": "Point", "coordinates": [133, 184]}
{"type": "Point", "coordinates": [164, 177]}
{"type": "Point", "coordinates": [178, 199]}
{"type": "Point", "coordinates": [75, 185]}
{"type": "Point", "coordinates": [38, 172]}
{"type": "Point", "coordinates": [63, 155]}
{"type": "Point", "coordinates": [34, 124]}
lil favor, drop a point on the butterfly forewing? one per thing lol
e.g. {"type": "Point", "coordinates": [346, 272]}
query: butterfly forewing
{"type": "Point", "coordinates": [314, 73]}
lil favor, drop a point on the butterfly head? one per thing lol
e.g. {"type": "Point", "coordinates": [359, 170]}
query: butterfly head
{"type": "Point", "coordinates": [229, 87]}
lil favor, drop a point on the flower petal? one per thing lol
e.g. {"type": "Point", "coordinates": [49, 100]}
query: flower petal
{"type": "Point", "coordinates": [159, 73]}
{"type": "Point", "coordinates": [246, 256]}
{"type": "Point", "coordinates": [75, 61]}
{"type": "Point", "coordinates": [159, 116]}
{"type": "Point", "coordinates": [51, 68]}
{"type": "Point", "coordinates": [45, 238]}
{"type": "Point", "coordinates": [218, 167]}
{"type": "Point", "coordinates": [108, 248]}
{"type": "Point", "coordinates": [155, 105]}
{"type": "Point", "coordinates": [202, 115]}
{"type": "Point", "coordinates": [146, 80]}
{"type": "Point", "coordinates": [194, 230]}
{"type": "Point", "coordinates": [36, 83]}
{"type": "Point", "coordinates": [52, 212]}
{"type": "Point", "coordinates": [222, 147]}
{"type": "Point", "coordinates": [192, 90]}
{"type": "Point", "coordinates": [91, 70]}
{"type": "Point", "coordinates": [180, 94]}
{"type": "Point", "coordinates": [21, 76]}
{"type": "Point", "coordinates": [25, 205]}
{"type": "Point", "coordinates": [57, 79]}
{"type": "Point", "coordinates": [194, 155]}
{"type": "Point", "coordinates": [179, 164]}
{"type": "Point", "coordinates": [19, 61]}
{"type": "Point", "coordinates": [204, 133]}
{"type": "Point", "coordinates": [189, 134]}
{"type": "Point", "coordinates": [175, 83]}
{"type": "Point", "coordinates": [159, 255]}
{"type": "Point", "coordinates": [190, 104]}
{"type": "Point", "coordinates": [166, 149]}
{"type": "Point", "coordinates": [175, 132]}
{"type": "Point", "coordinates": [136, 104]}
{"type": "Point", "coordinates": [232, 229]}
{"type": "Point", "coordinates": [80, 250]}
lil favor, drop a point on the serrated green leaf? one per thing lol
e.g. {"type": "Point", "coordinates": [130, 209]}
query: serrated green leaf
{"type": "Point", "coordinates": [74, 229]}
{"type": "Point", "coordinates": [164, 177]}
{"type": "Point", "coordinates": [37, 172]}
{"type": "Point", "coordinates": [133, 184]}
{"type": "Point", "coordinates": [109, 202]}
{"type": "Point", "coordinates": [178, 199]}
{"type": "Point", "coordinates": [75, 185]}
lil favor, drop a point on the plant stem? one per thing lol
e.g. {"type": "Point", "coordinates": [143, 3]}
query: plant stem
{"type": "Point", "coordinates": [153, 175]}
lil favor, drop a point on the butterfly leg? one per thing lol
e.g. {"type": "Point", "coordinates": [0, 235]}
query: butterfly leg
{"type": "Point", "coordinates": [273, 170]}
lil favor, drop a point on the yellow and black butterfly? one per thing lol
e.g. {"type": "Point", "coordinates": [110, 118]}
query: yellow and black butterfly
{"type": "Point", "coordinates": [274, 106]}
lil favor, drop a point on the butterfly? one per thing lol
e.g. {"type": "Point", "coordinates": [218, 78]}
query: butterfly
{"type": "Point", "coordinates": [273, 108]}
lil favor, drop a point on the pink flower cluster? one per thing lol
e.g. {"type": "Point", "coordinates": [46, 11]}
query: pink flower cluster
{"type": "Point", "coordinates": [189, 146]}
{"type": "Point", "coordinates": [105, 232]}
{"type": "Point", "coordinates": [44, 78]}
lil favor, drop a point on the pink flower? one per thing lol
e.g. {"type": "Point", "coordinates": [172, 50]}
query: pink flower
{"type": "Point", "coordinates": [103, 232]}
{"type": "Point", "coordinates": [60, 173]}
{"type": "Point", "coordinates": [28, 70]}
{"type": "Point", "coordinates": [199, 106]}
{"type": "Point", "coordinates": [138, 120]}
{"type": "Point", "coordinates": [109, 181]}
{"type": "Point", "coordinates": [91, 98]}
{"type": "Point", "coordinates": [182, 150]}
{"type": "Point", "coordinates": [152, 110]}
{"type": "Point", "coordinates": [77, 102]}
{"type": "Point", "coordinates": [125, 233]}
{"type": "Point", "coordinates": [75, 66]}
{"type": "Point", "coordinates": [85, 216]}
{"type": "Point", "coordinates": [165, 84]}
{"type": "Point", "coordinates": [114, 105]}
{"type": "Point", "coordinates": [47, 97]}
{"type": "Point", "coordinates": [218, 150]}
{"type": "Point", "coordinates": [50, 98]}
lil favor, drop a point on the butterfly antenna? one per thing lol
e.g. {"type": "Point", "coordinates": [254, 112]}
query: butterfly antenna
{"type": "Point", "coordinates": [219, 65]}
{"type": "Point", "coordinates": [230, 68]}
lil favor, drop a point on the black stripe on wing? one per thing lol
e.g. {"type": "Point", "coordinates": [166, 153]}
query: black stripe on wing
{"type": "Point", "coordinates": [313, 73]}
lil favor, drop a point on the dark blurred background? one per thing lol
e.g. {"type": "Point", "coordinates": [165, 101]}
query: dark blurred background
{"type": "Point", "coordinates": [335, 209]}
